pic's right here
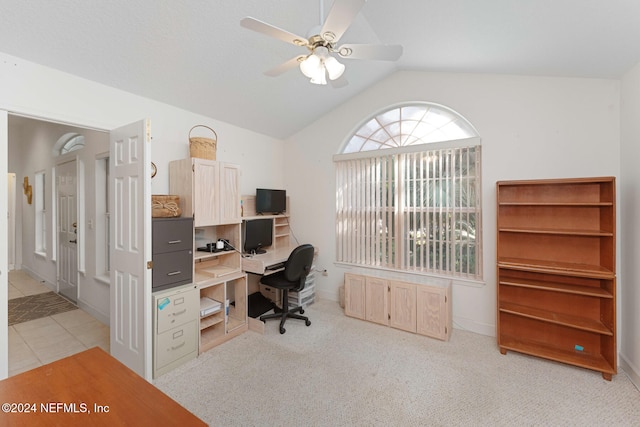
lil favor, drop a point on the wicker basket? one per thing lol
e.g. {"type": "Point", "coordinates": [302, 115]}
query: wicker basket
{"type": "Point", "coordinates": [203, 148]}
{"type": "Point", "coordinates": [165, 206]}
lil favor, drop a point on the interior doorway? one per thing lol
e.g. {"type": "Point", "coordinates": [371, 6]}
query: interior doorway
{"type": "Point", "coordinates": [32, 151]}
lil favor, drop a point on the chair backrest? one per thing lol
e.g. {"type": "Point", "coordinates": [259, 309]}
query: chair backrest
{"type": "Point", "coordinates": [298, 265]}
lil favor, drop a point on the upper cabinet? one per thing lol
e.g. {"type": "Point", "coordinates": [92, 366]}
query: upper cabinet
{"type": "Point", "coordinates": [209, 190]}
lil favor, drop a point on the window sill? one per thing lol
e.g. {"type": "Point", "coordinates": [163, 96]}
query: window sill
{"type": "Point", "coordinates": [104, 279]}
{"type": "Point", "coordinates": [41, 254]}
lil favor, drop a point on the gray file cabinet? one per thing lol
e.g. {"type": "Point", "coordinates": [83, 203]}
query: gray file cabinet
{"type": "Point", "coordinates": [172, 248]}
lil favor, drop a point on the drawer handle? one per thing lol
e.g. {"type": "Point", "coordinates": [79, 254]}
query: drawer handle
{"type": "Point", "coordinates": [180, 312]}
{"type": "Point", "coordinates": [178, 346]}
{"type": "Point", "coordinates": [173, 273]}
{"type": "Point", "coordinates": [173, 242]}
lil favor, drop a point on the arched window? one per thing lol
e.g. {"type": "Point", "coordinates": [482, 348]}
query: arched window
{"type": "Point", "coordinates": [408, 193]}
{"type": "Point", "coordinates": [410, 125]}
{"type": "Point", "coordinates": [68, 142]}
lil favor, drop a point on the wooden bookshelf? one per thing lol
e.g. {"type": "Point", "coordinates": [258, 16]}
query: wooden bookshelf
{"type": "Point", "coordinates": [556, 271]}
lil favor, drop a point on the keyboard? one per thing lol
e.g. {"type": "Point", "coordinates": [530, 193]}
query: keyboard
{"type": "Point", "coordinates": [275, 266]}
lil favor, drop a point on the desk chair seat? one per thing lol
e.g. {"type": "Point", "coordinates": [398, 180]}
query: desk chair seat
{"type": "Point", "coordinates": [291, 278]}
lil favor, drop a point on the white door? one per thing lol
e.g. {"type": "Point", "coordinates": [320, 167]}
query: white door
{"type": "Point", "coordinates": [67, 201]}
{"type": "Point", "coordinates": [4, 297]}
{"type": "Point", "coordinates": [130, 207]}
{"type": "Point", "coordinates": [11, 218]}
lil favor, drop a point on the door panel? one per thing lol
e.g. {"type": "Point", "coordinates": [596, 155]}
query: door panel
{"type": "Point", "coordinates": [377, 303]}
{"type": "Point", "coordinates": [66, 189]}
{"type": "Point", "coordinates": [130, 204]}
{"type": "Point", "coordinates": [403, 306]}
{"type": "Point", "coordinates": [11, 229]}
{"type": "Point", "coordinates": [354, 295]}
{"type": "Point", "coordinates": [4, 296]}
{"type": "Point", "coordinates": [206, 199]}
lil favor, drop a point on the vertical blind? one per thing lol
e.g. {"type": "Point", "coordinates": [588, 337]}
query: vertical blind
{"type": "Point", "coordinates": [413, 211]}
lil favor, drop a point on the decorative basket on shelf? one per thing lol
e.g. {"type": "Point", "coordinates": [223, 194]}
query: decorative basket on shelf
{"type": "Point", "coordinates": [165, 206]}
{"type": "Point", "coordinates": [201, 147]}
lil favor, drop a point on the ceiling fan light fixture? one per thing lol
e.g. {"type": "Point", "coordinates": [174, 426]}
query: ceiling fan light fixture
{"type": "Point", "coordinates": [311, 66]}
{"type": "Point", "coordinates": [320, 78]}
{"type": "Point", "coordinates": [318, 64]}
{"type": "Point", "coordinates": [334, 68]}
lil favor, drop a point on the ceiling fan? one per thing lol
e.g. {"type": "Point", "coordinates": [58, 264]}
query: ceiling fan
{"type": "Point", "coordinates": [320, 61]}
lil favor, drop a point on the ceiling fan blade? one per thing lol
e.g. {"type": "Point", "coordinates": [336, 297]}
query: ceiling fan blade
{"type": "Point", "coordinates": [285, 66]}
{"type": "Point", "coordinates": [342, 13]}
{"type": "Point", "coordinates": [270, 30]}
{"type": "Point", "coordinates": [378, 52]}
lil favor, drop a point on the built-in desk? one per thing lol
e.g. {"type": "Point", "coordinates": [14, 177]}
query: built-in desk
{"type": "Point", "coordinates": [259, 264]}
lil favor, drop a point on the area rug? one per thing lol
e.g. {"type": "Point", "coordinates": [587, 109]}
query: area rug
{"type": "Point", "coordinates": [36, 306]}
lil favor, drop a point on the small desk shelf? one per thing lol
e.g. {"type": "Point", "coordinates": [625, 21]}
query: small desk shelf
{"type": "Point", "coordinates": [218, 327]}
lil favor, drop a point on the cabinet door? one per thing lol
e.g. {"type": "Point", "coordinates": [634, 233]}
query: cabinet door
{"type": "Point", "coordinates": [229, 193]}
{"type": "Point", "coordinates": [433, 312]}
{"type": "Point", "coordinates": [206, 178]}
{"type": "Point", "coordinates": [403, 306]}
{"type": "Point", "coordinates": [354, 295]}
{"type": "Point", "coordinates": [377, 300]}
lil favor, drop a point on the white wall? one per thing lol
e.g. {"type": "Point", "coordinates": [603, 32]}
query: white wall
{"type": "Point", "coordinates": [33, 90]}
{"type": "Point", "coordinates": [531, 128]}
{"type": "Point", "coordinates": [629, 192]}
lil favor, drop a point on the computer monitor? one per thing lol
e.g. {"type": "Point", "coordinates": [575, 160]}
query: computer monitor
{"type": "Point", "coordinates": [258, 234]}
{"type": "Point", "coordinates": [271, 201]}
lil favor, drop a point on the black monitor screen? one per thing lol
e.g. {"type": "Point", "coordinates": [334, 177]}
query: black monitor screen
{"type": "Point", "coordinates": [271, 201]}
{"type": "Point", "coordinates": [258, 234]}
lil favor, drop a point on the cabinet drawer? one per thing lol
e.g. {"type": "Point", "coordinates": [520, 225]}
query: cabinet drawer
{"type": "Point", "coordinates": [172, 268]}
{"type": "Point", "coordinates": [176, 310]}
{"type": "Point", "coordinates": [172, 234]}
{"type": "Point", "coordinates": [176, 343]}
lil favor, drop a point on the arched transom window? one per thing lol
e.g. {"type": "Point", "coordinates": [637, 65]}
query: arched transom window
{"type": "Point", "coordinates": [408, 193]}
{"type": "Point", "coordinates": [409, 125]}
{"type": "Point", "coordinates": [68, 142]}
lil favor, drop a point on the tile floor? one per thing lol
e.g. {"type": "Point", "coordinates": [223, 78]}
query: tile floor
{"type": "Point", "coordinates": [41, 341]}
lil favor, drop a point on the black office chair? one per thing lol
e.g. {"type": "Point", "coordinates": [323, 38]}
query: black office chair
{"type": "Point", "coordinates": [291, 278]}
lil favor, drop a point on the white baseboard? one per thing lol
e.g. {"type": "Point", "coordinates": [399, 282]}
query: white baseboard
{"type": "Point", "coordinates": [632, 371]}
{"type": "Point", "coordinates": [473, 326]}
{"type": "Point", "coordinates": [93, 312]}
{"type": "Point", "coordinates": [39, 278]}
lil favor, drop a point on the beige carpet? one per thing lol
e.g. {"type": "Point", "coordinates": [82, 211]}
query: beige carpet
{"type": "Point", "coordinates": [346, 372]}
{"type": "Point", "coordinates": [37, 306]}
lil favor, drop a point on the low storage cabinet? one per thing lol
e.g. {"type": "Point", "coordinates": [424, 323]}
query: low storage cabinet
{"type": "Point", "coordinates": [556, 271]}
{"type": "Point", "coordinates": [412, 307]}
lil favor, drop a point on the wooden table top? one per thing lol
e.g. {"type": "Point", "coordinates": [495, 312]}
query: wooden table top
{"type": "Point", "coordinates": [88, 388]}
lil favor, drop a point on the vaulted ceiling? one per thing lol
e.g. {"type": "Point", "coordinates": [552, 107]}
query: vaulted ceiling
{"type": "Point", "coordinates": [195, 55]}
